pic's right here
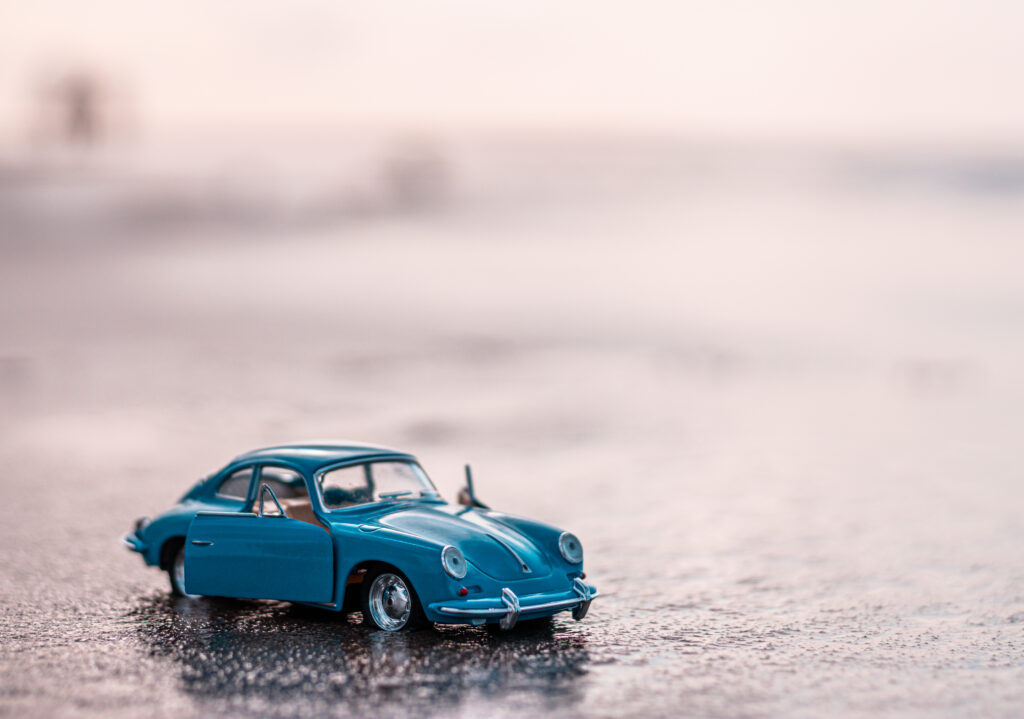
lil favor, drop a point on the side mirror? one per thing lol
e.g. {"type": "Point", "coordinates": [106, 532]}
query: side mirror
{"type": "Point", "coordinates": [466, 495]}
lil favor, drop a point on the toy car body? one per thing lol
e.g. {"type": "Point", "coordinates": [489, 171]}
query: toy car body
{"type": "Point", "coordinates": [354, 526]}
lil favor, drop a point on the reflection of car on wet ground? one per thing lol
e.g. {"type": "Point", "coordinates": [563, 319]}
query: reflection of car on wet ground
{"type": "Point", "coordinates": [355, 526]}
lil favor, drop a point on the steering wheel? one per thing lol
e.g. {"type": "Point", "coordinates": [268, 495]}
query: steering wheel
{"type": "Point", "coordinates": [336, 496]}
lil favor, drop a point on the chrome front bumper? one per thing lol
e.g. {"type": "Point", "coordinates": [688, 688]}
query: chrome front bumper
{"type": "Point", "coordinates": [512, 607]}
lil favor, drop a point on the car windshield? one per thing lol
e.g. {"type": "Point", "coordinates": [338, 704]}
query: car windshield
{"type": "Point", "coordinates": [373, 481]}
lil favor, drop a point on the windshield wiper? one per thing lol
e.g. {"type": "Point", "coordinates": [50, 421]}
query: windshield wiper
{"type": "Point", "coordinates": [393, 495]}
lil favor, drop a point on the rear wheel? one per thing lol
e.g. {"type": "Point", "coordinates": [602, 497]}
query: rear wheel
{"type": "Point", "coordinates": [176, 573]}
{"type": "Point", "coordinates": [389, 602]}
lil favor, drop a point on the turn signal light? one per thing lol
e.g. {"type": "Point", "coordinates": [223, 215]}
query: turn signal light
{"type": "Point", "coordinates": [583, 575]}
{"type": "Point", "coordinates": [463, 591]}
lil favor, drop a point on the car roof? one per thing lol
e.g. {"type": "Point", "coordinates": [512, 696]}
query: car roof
{"type": "Point", "coordinates": [311, 456]}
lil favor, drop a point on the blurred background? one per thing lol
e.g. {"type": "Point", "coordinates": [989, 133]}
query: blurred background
{"type": "Point", "coordinates": [733, 289]}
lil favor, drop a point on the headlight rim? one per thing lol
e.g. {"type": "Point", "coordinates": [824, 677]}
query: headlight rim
{"type": "Point", "coordinates": [567, 555]}
{"type": "Point", "coordinates": [451, 550]}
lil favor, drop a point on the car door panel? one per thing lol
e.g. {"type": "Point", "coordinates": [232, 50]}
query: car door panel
{"type": "Point", "coordinates": [249, 556]}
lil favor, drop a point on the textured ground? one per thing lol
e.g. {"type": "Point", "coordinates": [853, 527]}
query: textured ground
{"type": "Point", "coordinates": [789, 438]}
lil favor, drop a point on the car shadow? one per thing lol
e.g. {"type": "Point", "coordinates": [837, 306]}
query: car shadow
{"type": "Point", "coordinates": [280, 659]}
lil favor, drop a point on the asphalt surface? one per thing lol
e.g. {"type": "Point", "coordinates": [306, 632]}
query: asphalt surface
{"type": "Point", "coordinates": [796, 507]}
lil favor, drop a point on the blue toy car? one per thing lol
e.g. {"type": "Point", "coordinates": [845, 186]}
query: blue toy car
{"type": "Point", "coordinates": [350, 526]}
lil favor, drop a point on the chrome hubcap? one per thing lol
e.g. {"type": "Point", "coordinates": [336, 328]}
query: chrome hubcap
{"type": "Point", "coordinates": [390, 602]}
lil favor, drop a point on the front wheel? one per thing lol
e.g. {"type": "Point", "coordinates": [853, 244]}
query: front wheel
{"type": "Point", "coordinates": [389, 602]}
{"type": "Point", "coordinates": [176, 573]}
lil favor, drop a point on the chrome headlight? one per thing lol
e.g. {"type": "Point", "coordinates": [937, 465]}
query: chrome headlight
{"type": "Point", "coordinates": [453, 562]}
{"type": "Point", "coordinates": [570, 548]}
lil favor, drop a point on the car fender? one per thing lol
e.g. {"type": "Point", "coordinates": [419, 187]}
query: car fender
{"type": "Point", "coordinates": [172, 523]}
{"type": "Point", "coordinates": [417, 558]}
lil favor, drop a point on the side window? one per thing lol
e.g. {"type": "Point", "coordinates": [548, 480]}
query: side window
{"type": "Point", "coordinates": [236, 485]}
{"type": "Point", "coordinates": [286, 483]}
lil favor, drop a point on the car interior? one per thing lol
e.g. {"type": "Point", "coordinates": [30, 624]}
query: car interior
{"type": "Point", "coordinates": [290, 490]}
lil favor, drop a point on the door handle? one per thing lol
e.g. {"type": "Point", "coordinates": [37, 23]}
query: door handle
{"type": "Point", "coordinates": [201, 543]}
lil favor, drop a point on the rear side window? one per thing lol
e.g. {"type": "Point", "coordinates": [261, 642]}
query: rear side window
{"type": "Point", "coordinates": [236, 484]}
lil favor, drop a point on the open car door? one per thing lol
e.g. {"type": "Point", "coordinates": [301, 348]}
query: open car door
{"type": "Point", "coordinates": [258, 556]}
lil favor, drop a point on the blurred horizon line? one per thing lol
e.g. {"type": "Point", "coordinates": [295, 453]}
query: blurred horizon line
{"type": "Point", "coordinates": [14, 141]}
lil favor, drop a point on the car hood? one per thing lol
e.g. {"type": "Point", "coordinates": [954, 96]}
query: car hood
{"type": "Point", "coordinates": [493, 547]}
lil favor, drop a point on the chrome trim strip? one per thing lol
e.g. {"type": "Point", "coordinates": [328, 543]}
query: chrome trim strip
{"type": "Point", "coordinates": [473, 612]}
{"type": "Point", "coordinates": [211, 513]}
{"type": "Point", "coordinates": [526, 569]}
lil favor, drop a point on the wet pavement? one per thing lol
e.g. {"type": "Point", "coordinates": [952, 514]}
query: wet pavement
{"type": "Point", "coordinates": [789, 510]}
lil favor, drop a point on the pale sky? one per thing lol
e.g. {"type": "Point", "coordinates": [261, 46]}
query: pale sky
{"type": "Point", "coordinates": [858, 70]}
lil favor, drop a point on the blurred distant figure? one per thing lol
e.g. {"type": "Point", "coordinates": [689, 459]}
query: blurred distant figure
{"type": "Point", "coordinates": [416, 176]}
{"type": "Point", "coordinates": [77, 108]}
{"type": "Point", "coordinates": [78, 98]}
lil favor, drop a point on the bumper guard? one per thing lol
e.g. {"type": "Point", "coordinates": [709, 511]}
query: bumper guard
{"type": "Point", "coordinates": [132, 542]}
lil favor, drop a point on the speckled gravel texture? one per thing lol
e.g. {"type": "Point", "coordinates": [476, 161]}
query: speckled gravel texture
{"type": "Point", "coordinates": [795, 468]}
